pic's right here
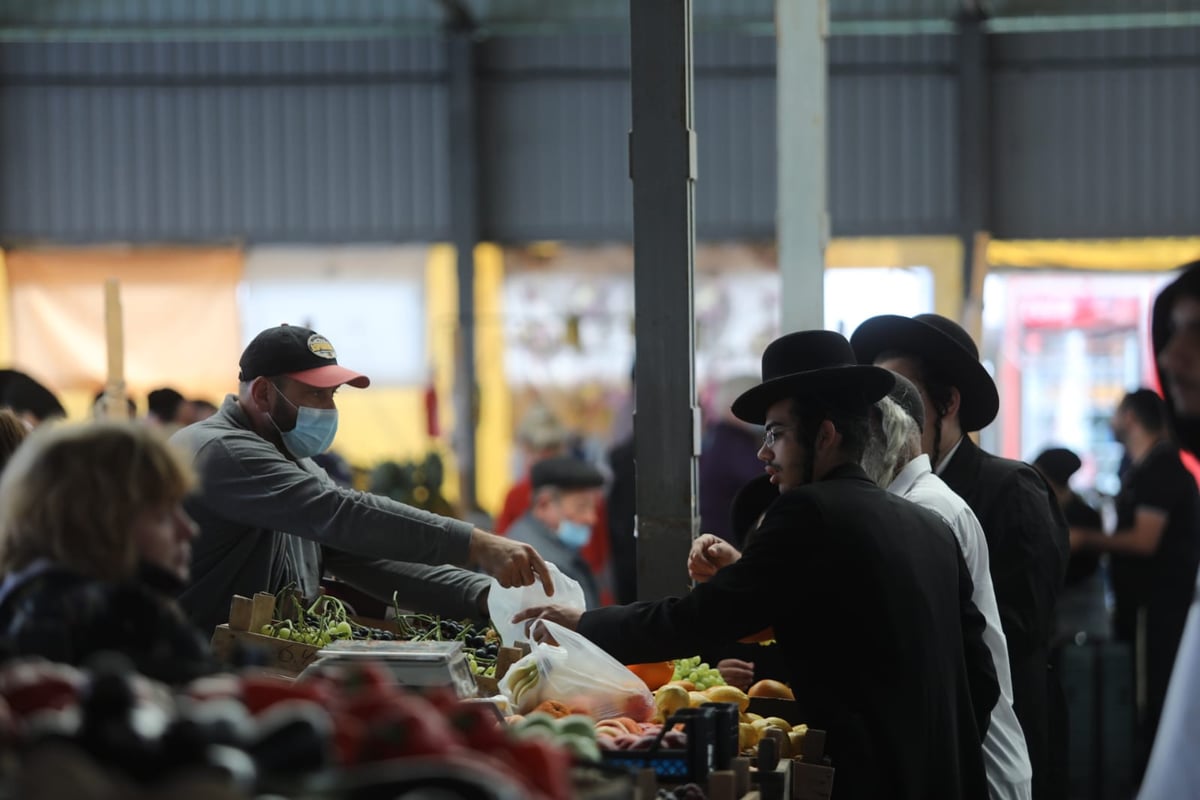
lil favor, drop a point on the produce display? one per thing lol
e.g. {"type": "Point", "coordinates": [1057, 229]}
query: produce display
{"type": "Point", "coordinates": [327, 619]}
{"type": "Point", "coordinates": [257, 734]}
{"type": "Point", "coordinates": [697, 672]}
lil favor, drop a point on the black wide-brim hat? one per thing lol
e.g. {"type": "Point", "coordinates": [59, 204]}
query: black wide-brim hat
{"type": "Point", "coordinates": [948, 352]}
{"type": "Point", "coordinates": [811, 363]}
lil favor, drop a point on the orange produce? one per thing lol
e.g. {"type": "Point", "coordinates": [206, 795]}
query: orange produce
{"type": "Point", "coordinates": [769, 688]}
{"type": "Point", "coordinates": [654, 674]}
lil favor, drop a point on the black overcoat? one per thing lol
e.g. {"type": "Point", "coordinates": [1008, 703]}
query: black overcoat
{"type": "Point", "coordinates": [1028, 547]}
{"type": "Point", "coordinates": [870, 601]}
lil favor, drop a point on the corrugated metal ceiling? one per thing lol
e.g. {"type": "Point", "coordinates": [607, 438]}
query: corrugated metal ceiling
{"type": "Point", "coordinates": [106, 19]}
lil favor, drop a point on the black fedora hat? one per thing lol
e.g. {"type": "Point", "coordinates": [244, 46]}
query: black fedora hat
{"type": "Point", "coordinates": [947, 350]}
{"type": "Point", "coordinates": [819, 363]}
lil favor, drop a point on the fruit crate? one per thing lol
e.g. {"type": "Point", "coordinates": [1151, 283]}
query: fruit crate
{"type": "Point", "coordinates": [678, 765]}
{"type": "Point", "coordinates": [246, 618]}
{"type": "Point", "coordinates": [289, 658]}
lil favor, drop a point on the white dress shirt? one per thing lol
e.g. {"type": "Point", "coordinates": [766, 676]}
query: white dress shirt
{"type": "Point", "coordinates": [1005, 756]}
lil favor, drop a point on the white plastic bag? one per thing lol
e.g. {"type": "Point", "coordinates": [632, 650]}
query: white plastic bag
{"type": "Point", "coordinates": [503, 603]}
{"type": "Point", "coordinates": [578, 674]}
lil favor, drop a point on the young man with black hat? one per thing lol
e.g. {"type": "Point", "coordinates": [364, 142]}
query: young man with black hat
{"type": "Point", "coordinates": [269, 515]}
{"type": "Point", "coordinates": [1026, 534]}
{"type": "Point", "coordinates": [892, 663]}
{"type": "Point", "coordinates": [561, 514]}
{"type": "Point", "coordinates": [1174, 770]}
{"type": "Point", "coordinates": [895, 461]}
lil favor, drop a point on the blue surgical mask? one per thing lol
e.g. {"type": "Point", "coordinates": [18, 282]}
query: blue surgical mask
{"type": "Point", "coordinates": [574, 534]}
{"type": "Point", "coordinates": [314, 431]}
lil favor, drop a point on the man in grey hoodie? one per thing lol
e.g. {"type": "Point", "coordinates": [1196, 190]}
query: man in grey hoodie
{"type": "Point", "coordinates": [270, 516]}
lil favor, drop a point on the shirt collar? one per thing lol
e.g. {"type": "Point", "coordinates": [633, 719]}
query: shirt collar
{"type": "Point", "coordinates": [941, 467]}
{"type": "Point", "coordinates": [908, 476]}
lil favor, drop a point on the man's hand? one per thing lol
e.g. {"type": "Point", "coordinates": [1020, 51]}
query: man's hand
{"type": "Point", "coordinates": [511, 563]}
{"type": "Point", "coordinates": [567, 617]}
{"type": "Point", "coordinates": [736, 672]}
{"type": "Point", "coordinates": [709, 553]}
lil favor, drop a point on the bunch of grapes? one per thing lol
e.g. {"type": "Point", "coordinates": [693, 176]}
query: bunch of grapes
{"type": "Point", "coordinates": [482, 644]}
{"type": "Point", "coordinates": [694, 670]}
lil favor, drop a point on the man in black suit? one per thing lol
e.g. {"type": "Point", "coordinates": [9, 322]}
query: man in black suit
{"type": "Point", "coordinates": [868, 594]}
{"type": "Point", "coordinates": [1025, 530]}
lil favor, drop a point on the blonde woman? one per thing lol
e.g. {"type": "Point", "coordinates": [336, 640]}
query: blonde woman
{"type": "Point", "coordinates": [94, 546]}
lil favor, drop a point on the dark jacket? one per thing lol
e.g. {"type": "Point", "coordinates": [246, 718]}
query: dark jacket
{"type": "Point", "coordinates": [50, 611]}
{"type": "Point", "coordinates": [1029, 548]}
{"type": "Point", "coordinates": [622, 510]}
{"type": "Point", "coordinates": [870, 601]}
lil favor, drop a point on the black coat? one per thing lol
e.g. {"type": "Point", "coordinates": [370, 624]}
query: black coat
{"type": "Point", "coordinates": [870, 602]}
{"type": "Point", "coordinates": [1028, 547]}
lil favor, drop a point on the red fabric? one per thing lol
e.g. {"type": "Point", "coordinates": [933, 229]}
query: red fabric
{"type": "Point", "coordinates": [595, 552]}
{"type": "Point", "coordinates": [516, 503]}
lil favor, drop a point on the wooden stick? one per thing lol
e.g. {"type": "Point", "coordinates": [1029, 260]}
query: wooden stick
{"type": "Point", "coordinates": [113, 402]}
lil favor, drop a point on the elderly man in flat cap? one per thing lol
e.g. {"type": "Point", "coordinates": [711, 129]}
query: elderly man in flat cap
{"type": "Point", "coordinates": [1026, 534]}
{"type": "Point", "coordinates": [892, 661]}
{"type": "Point", "coordinates": [894, 460]}
{"type": "Point", "coordinates": [560, 518]}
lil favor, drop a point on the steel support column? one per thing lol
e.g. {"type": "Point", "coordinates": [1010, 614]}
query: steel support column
{"type": "Point", "coordinates": [974, 155]}
{"type": "Point", "coordinates": [464, 233]}
{"type": "Point", "coordinates": [662, 154]}
{"type": "Point", "coordinates": [802, 219]}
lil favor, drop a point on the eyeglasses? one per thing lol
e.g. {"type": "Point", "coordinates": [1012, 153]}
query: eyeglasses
{"type": "Point", "coordinates": [772, 435]}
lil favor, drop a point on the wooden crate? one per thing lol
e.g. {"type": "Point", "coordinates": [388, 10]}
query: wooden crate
{"type": "Point", "coordinates": [283, 656]}
{"type": "Point", "coordinates": [247, 616]}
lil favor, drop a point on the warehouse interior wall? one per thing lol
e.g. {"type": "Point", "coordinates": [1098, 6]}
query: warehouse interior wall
{"type": "Point", "coordinates": [179, 310]}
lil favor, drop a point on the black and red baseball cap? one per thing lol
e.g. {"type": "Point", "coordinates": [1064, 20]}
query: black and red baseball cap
{"type": "Point", "coordinates": [297, 353]}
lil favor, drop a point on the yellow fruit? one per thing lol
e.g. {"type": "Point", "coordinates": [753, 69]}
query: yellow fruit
{"type": "Point", "coordinates": [782, 724]}
{"type": "Point", "coordinates": [697, 699]}
{"type": "Point", "coordinates": [748, 716]}
{"type": "Point", "coordinates": [770, 688]}
{"type": "Point", "coordinates": [729, 694]}
{"type": "Point", "coordinates": [669, 699]}
{"type": "Point", "coordinates": [748, 736]}
{"type": "Point", "coordinates": [796, 740]}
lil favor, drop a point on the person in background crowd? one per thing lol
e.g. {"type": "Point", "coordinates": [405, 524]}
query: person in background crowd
{"type": "Point", "coordinates": [12, 432]}
{"type": "Point", "coordinates": [201, 409]}
{"type": "Point", "coordinates": [1026, 534]}
{"type": "Point", "coordinates": [30, 400]}
{"type": "Point", "coordinates": [728, 459]}
{"type": "Point", "coordinates": [894, 666]}
{"type": "Point", "coordinates": [94, 543]}
{"type": "Point", "coordinates": [270, 516]}
{"type": "Point", "coordinates": [542, 435]}
{"type": "Point", "coordinates": [559, 522]}
{"type": "Point", "coordinates": [1155, 549]}
{"type": "Point", "coordinates": [622, 504]}
{"type": "Point", "coordinates": [1174, 770]}
{"type": "Point", "coordinates": [1081, 606]}
{"type": "Point", "coordinates": [99, 411]}
{"type": "Point", "coordinates": [168, 409]}
{"type": "Point", "coordinates": [895, 461]}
